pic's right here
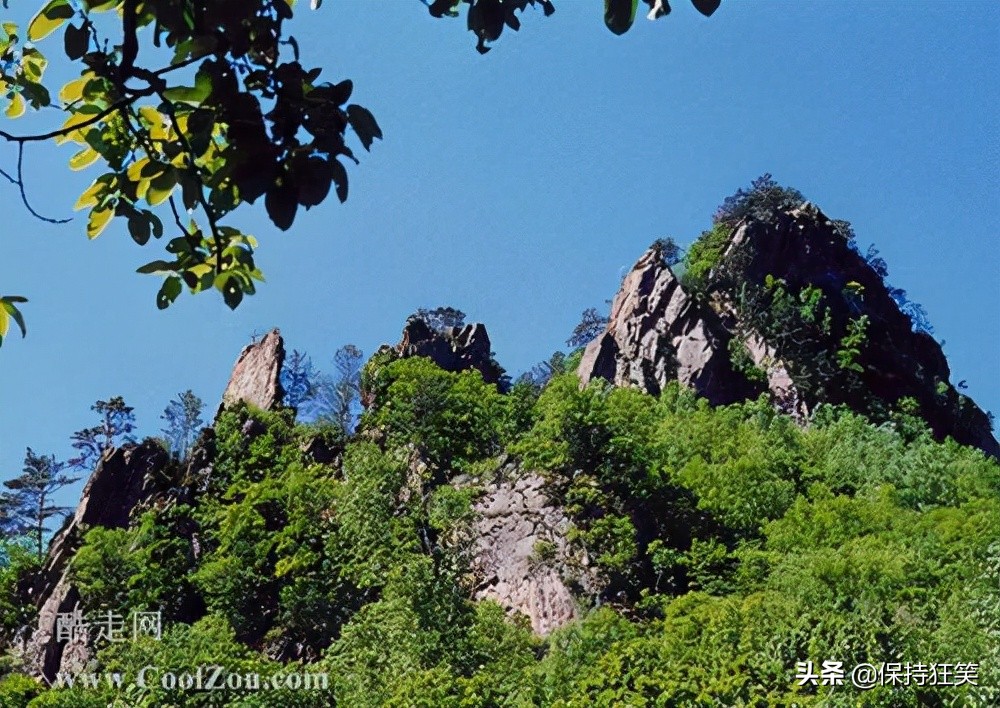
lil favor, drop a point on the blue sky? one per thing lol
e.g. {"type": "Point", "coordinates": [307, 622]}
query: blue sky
{"type": "Point", "coordinates": [519, 186]}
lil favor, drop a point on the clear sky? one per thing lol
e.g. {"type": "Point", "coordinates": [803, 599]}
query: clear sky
{"type": "Point", "coordinates": [519, 186]}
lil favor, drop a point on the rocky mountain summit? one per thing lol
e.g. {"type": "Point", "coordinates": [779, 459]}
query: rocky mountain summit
{"type": "Point", "coordinates": [842, 340]}
{"type": "Point", "coordinates": [660, 331]}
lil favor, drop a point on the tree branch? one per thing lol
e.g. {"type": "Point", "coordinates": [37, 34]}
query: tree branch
{"type": "Point", "coordinates": [19, 183]}
{"type": "Point", "coordinates": [97, 117]}
{"type": "Point", "coordinates": [193, 169]}
{"type": "Point", "coordinates": [130, 40]}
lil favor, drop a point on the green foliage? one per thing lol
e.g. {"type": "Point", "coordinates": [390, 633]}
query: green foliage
{"type": "Point", "coordinates": [10, 312]}
{"type": "Point", "coordinates": [703, 256]}
{"type": "Point", "coordinates": [851, 343]}
{"type": "Point", "coordinates": [762, 201]}
{"type": "Point", "coordinates": [144, 568]}
{"type": "Point", "coordinates": [17, 690]}
{"type": "Point", "coordinates": [821, 352]}
{"type": "Point", "coordinates": [450, 418]}
{"type": "Point", "coordinates": [742, 361]}
{"type": "Point", "coordinates": [193, 134]}
{"type": "Point", "coordinates": [733, 541]}
{"type": "Point", "coordinates": [17, 563]}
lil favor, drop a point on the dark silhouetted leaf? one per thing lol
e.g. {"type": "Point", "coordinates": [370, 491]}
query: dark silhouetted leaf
{"type": "Point", "coordinates": [138, 228]}
{"type": "Point", "coordinates": [156, 267]}
{"type": "Point", "coordinates": [706, 7]}
{"type": "Point", "coordinates": [281, 202]}
{"type": "Point", "coordinates": [341, 93]}
{"type": "Point", "coordinates": [339, 175]}
{"type": "Point", "coordinates": [313, 179]}
{"type": "Point", "coordinates": [443, 8]}
{"type": "Point", "coordinates": [76, 41]}
{"type": "Point", "coordinates": [619, 14]}
{"type": "Point", "coordinates": [363, 123]}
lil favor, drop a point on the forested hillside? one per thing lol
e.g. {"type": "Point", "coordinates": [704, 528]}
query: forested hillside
{"type": "Point", "coordinates": [751, 467]}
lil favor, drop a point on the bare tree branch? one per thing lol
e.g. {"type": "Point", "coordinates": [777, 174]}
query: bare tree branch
{"type": "Point", "coordinates": [19, 183]}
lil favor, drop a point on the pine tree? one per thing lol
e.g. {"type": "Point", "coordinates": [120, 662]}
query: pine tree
{"type": "Point", "coordinates": [183, 417]}
{"type": "Point", "coordinates": [30, 507]}
{"type": "Point", "coordinates": [115, 429]}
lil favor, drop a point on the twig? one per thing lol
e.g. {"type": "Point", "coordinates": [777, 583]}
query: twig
{"type": "Point", "coordinates": [177, 216]}
{"type": "Point", "coordinates": [193, 169]}
{"type": "Point", "coordinates": [19, 181]}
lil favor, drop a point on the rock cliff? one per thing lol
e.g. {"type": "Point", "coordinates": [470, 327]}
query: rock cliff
{"type": "Point", "coordinates": [117, 485]}
{"type": "Point", "coordinates": [658, 331]}
{"type": "Point", "coordinates": [127, 480]}
{"type": "Point", "coordinates": [521, 556]}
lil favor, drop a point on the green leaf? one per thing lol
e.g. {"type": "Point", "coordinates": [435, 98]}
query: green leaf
{"type": "Point", "coordinates": [169, 291]}
{"type": "Point", "coordinates": [161, 187]}
{"type": "Point", "coordinates": [154, 267]}
{"type": "Point", "coordinates": [49, 19]}
{"type": "Point", "coordinates": [84, 158]}
{"type": "Point", "coordinates": [16, 107]}
{"type": "Point", "coordinates": [17, 317]}
{"type": "Point", "coordinates": [194, 95]}
{"type": "Point", "coordinates": [98, 221]}
{"type": "Point", "coordinates": [76, 41]}
{"type": "Point", "coordinates": [364, 124]}
{"type": "Point", "coordinates": [8, 312]}
{"type": "Point", "coordinates": [619, 15]}
{"type": "Point", "coordinates": [91, 197]}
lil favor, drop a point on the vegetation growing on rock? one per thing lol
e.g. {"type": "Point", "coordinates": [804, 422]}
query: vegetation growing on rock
{"type": "Point", "coordinates": [708, 548]}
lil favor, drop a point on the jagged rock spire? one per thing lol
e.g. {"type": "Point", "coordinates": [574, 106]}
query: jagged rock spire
{"type": "Point", "coordinates": [256, 377]}
{"type": "Point", "coordinates": [657, 333]}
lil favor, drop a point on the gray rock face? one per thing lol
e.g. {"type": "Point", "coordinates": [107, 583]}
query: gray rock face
{"type": "Point", "coordinates": [521, 557]}
{"type": "Point", "coordinates": [256, 377]}
{"type": "Point", "coordinates": [657, 333]}
{"type": "Point", "coordinates": [452, 348]}
{"type": "Point", "coordinates": [113, 490]}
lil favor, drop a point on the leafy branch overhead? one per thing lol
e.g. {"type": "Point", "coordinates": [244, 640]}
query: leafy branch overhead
{"type": "Point", "coordinates": [218, 113]}
{"type": "Point", "coordinates": [229, 117]}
